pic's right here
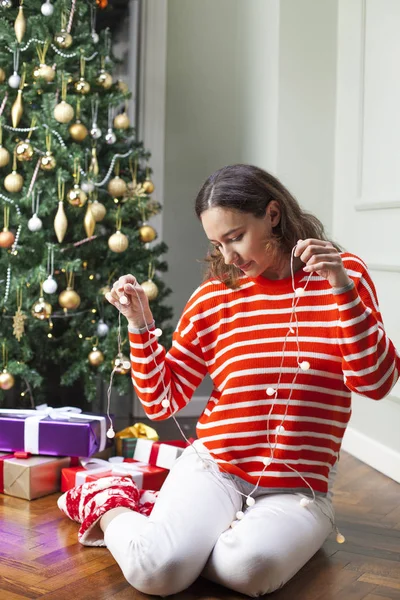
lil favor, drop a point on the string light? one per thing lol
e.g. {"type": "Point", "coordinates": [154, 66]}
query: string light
{"type": "Point", "coordinates": [304, 365]}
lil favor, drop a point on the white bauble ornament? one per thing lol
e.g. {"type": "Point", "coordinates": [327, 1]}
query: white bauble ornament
{"type": "Point", "coordinates": [34, 223]}
{"type": "Point", "coordinates": [50, 285]}
{"type": "Point", "coordinates": [47, 9]}
{"type": "Point", "coordinates": [14, 80]}
{"type": "Point", "coordinates": [95, 132]}
{"type": "Point", "coordinates": [110, 137]}
{"type": "Point", "coordinates": [102, 329]}
{"type": "Point", "coordinates": [87, 187]}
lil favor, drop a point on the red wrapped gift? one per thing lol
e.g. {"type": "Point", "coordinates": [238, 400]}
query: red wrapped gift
{"type": "Point", "coordinates": [29, 477]}
{"type": "Point", "coordinates": [159, 454]}
{"type": "Point", "coordinates": [145, 476]}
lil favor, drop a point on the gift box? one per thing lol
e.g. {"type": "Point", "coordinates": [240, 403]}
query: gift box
{"type": "Point", "coordinates": [127, 447]}
{"type": "Point", "coordinates": [30, 477]}
{"type": "Point", "coordinates": [160, 454]}
{"type": "Point", "coordinates": [125, 440]}
{"type": "Point", "coordinates": [145, 476]}
{"type": "Point", "coordinates": [53, 432]}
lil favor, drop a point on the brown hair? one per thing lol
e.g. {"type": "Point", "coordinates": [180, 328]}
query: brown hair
{"type": "Point", "coordinates": [249, 189]}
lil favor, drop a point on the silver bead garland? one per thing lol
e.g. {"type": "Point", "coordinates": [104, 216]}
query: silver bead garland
{"type": "Point", "coordinates": [63, 54]}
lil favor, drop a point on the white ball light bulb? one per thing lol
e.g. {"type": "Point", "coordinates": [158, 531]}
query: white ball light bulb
{"type": "Point", "coordinates": [280, 429]}
{"type": "Point", "coordinates": [239, 515]}
{"type": "Point", "coordinates": [102, 329]}
{"type": "Point", "coordinates": [270, 391]}
{"type": "Point", "coordinates": [304, 502]}
{"type": "Point", "coordinates": [111, 433]}
{"type": "Point", "coordinates": [304, 365]}
{"type": "Point", "coordinates": [95, 37]}
{"type": "Point", "coordinates": [340, 538]}
{"type": "Point", "coordinates": [47, 9]}
{"type": "Point", "coordinates": [35, 224]}
{"type": "Point", "coordinates": [299, 292]}
{"type": "Point", "coordinates": [14, 80]}
{"type": "Point", "coordinates": [110, 137]}
{"type": "Point", "coordinates": [123, 300]}
{"type": "Point", "coordinates": [267, 461]}
{"type": "Point", "coordinates": [157, 332]}
{"type": "Point", "coordinates": [250, 501]}
{"type": "Point", "coordinates": [50, 285]}
{"type": "Point", "coordinates": [165, 403]}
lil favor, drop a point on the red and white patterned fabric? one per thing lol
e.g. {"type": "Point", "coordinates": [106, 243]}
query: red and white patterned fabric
{"type": "Point", "coordinates": [88, 502]}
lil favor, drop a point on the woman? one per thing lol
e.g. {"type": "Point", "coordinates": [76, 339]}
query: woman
{"type": "Point", "coordinates": [287, 326]}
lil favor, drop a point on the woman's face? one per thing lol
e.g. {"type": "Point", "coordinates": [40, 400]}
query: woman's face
{"type": "Point", "coordinates": [242, 238]}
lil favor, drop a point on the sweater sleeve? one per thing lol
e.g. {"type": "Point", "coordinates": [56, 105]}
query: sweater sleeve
{"type": "Point", "coordinates": [370, 362]}
{"type": "Point", "coordinates": [158, 375]}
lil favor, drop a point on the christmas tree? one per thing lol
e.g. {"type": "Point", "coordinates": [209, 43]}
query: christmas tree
{"type": "Point", "coordinates": [75, 195]}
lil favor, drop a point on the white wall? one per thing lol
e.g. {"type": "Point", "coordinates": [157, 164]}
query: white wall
{"type": "Point", "coordinates": [274, 83]}
{"type": "Point", "coordinates": [366, 207]}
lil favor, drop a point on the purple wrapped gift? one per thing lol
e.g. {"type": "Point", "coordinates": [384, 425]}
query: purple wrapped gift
{"type": "Point", "coordinates": [62, 431]}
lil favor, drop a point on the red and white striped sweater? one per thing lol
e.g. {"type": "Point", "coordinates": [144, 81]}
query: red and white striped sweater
{"type": "Point", "coordinates": [237, 336]}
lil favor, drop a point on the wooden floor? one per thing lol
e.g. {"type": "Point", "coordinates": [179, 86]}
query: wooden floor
{"type": "Point", "coordinates": [41, 558]}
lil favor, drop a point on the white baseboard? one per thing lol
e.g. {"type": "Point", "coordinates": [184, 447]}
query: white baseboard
{"type": "Point", "coordinates": [373, 453]}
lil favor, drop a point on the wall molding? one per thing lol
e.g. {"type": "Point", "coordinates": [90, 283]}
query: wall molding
{"type": "Point", "coordinates": [390, 205]}
{"type": "Point", "coordinates": [152, 93]}
{"type": "Point", "coordinates": [382, 267]}
{"type": "Point", "coordinates": [373, 453]}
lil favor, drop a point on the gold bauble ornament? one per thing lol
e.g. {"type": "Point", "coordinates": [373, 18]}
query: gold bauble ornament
{"type": "Point", "coordinates": [122, 86]}
{"type": "Point", "coordinates": [63, 39]}
{"type": "Point", "coordinates": [44, 72]}
{"type": "Point", "coordinates": [105, 290]}
{"type": "Point", "coordinates": [2, 75]}
{"type": "Point", "coordinates": [81, 86]}
{"type": "Point", "coordinates": [64, 112]}
{"type": "Point", "coordinates": [60, 222]}
{"type": "Point", "coordinates": [148, 186]}
{"type": "Point", "coordinates": [13, 182]}
{"type": "Point", "coordinates": [78, 131]}
{"type": "Point", "coordinates": [89, 222]}
{"type": "Point", "coordinates": [24, 150]}
{"type": "Point", "coordinates": [118, 242]}
{"type": "Point", "coordinates": [48, 162]}
{"type": "Point", "coordinates": [20, 25]}
{"type": "Point", "coordinates": [147, 233]}
{"type": "Point", "coordinates": [69, 299]}
{"type": "Point", "coordinates": [122, 121]}
{"type": "Point", "coordinates": [104, 79]}
{"type": "Point", "coordinates": [17, 109]}
{"type": "Point", "coordinates": [4, 156]}
{"type": "Point", "coordinates": [121, 364]}
{"type": "Point", "coordinates": [7, 238]}
{"type": "Point", "coordinates": [116, 187]}
{"type": "Point", "coordinates": [6, 380]}
{"type": "Point", "coordinates": [98, 211]}
{"type": "Point", "coordinates": [96, 357]}
{"type": "Point", "coordinates": [41, 309]}
{"type": "Point", "coordinates": [150, 289]}
{"type": "Point", "coordinates": [76, 196]}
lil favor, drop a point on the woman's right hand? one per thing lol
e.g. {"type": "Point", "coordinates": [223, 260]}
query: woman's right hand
{"type": "Point", "coordinates": [137, 309]}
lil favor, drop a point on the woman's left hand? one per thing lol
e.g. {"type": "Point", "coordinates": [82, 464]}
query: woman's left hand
{"type": "Point", "coordinates": [321, 257]}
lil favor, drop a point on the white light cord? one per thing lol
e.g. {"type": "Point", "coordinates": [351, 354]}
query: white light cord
{"type": "Point", "coordinates": [304, 365]}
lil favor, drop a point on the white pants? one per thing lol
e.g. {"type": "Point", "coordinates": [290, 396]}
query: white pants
{"type": "Point", "coordinates": [189, 533]}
